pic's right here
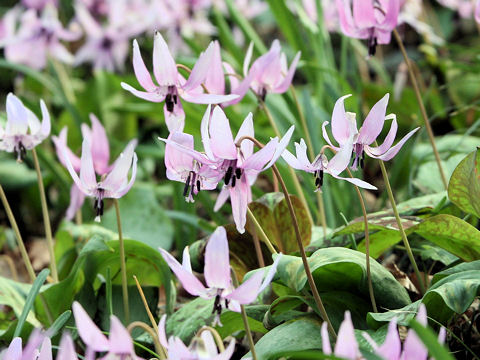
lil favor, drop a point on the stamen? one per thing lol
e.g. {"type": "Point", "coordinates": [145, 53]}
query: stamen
{"type": "Point", "coordinates": [234, 181]}
{"type": "Point", "coordinates": [372, 45]}
{"type": "Point", "coordinates": [198, 185]}
{"type": "Point", "coordinates": [228, 175]}
{"type": "Point", "coordinates": [238, 173]}
{"type": "Point", "coordinates": [187, 186]}
{"type": "Point", "coordinates": [169, 102]}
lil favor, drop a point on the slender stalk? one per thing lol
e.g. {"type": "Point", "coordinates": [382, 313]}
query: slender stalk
{"type": "Point", "coordinates": [400, 225]}
{"type": "Point", "coordinates": [260, 231]}
{"type": "Point", "coordinates": [298, 236]}
{"type": "Point", "coordinates": [413, 79]}
{"type": "Point", "coordinates": [158, 347]}
{"type": "Point", "coordinates": [296, 182]}
{"type": "Point", "coordinates": [16, 230]}
{"type": "Point", "coordinates": [123, 266]}
{"type": "Point", "coordinates": [311, 153]}
{"type": "Point", "coordinates": [367, 246]}
{"type": "Point", "coordinates": [46, 218]}
{"type": "Point", "coordinates": [258, 248]}
{"type": "Point", "coordinates": [245, 322]}
{"type": "Point", "coordinates": [216, 336]}
{"type": "Point", "coordinates": [145, 304]}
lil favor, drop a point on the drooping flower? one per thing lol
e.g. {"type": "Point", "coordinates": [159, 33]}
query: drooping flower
{"type": "Point", "coordinates": [106, 45]}
{"type": "Point", "coordinates": [100, 157]}
{"type": "Point", "coordinates": [201, 348]}
{"type": "Point", "coordinates": [38, 347]}
{"type": "Point", "coordinates": [114, 184]}
{"type": "Point", "coordinates": [269, 73]}
{"type": "Point", "coordinates": [344, 130]}
{"type": "Point", "coordinates": [171, 85]}
{"type": "Point", "coordinates": [218, 278]}
{"type": "Point", "coordinates": [23, 130]}
{"type": "Point", "coordinates": [322, 165]}
{"type": "Point", "coordinates": [369, 19]}
{"type": "Point", "coordinates": [37, 38]}
{"type": "Point", "coordinates": [119, 342]}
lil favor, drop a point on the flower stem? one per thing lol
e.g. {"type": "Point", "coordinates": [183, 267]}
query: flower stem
{"type": "Point", "coordinates": [260, 231]}
{"type": "Point", "coordinates": [298, 236]}
{"type": "Point", "coordinates": [158, 347]}
{"type": "Point", "coordinates": [245, 321]}
{"type": "Point", "coordinates": [258, 248]}
{"type": "Point", "coordinates": [46, 218]}
{"type": "Point", "coordinates": [123, 267]}
{"type": "Point", "coordinates": [311, 153]}
{"type": "Point", "coordinates": [21, 244]}
{"type": "Point", "coordinates": [413, 79]}
{"type": "Point", "coordinates": [145, 304]}
{"type": "Point", "coordinates": [367, 245]}
{"type": "Point", "coordinates": [295, 180]}
{"type": "Point", "coordinates": [216, 336]}
{"type": "Point", "coordinates": [400, 225]}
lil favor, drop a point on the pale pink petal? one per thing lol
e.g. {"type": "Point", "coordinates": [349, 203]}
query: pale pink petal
{"type": "Point", "coordinates": [248, 58]}
{"type": "Point", "coordinates": [247, 292]}
{"type": "Point", "coordinates": [127, 186]}
{"type": "Point", "coordinates": [189, 282]}
{"type": "Point", "coordinates": [239, 201]}
{"type": "Point", "coordinates": [395, 149]}
{"type": "Point", "coordinates": [282, 145]}
{"type": "Point", "coordinates": [141, 71]}
{"type": "Point", "coordinates": [373, 124]}
{"type": "Point", "coordinates": [222, 198]}
{"type": "Point", "coordinates": [178, 162]}
{"type": "Point", "coordinates": [288, 77]}
{"type": "Point", "coordinates": [477, 12]}
{"type": "Point", "coordinates": [87, 172]}
{"type": "Point", "coordinates": [341, 129]}
{"type": "Point", "coordinates": [88, 331]}
{"type": "Point", "coordinates": [149, 96]}
{"type": "Point", "coordinates": [346, 18]}
{"type": "Point", "coordinates": [326, 347]}
{"type": "Point", "coordinates": [119, 174]}
{"type": "Point", "coordinates": [77, 197]}
{"type": "Point", "coordinates": [246, 129]}
{"type": "Point", "coordinates": [392, 346]}
{"type": "Point", "coordinates": [14, 351]}
{"type": "Point", "coordinates": [164, 66]}
{"type": "Point", "coordinates": [221, 137]}
{"type": "Point", "coordinates": [217, 260]}
{"type": "Point", "coordinates": [341, 159]}
{"type": "Point", "coordinates": [293, 161]}
{"type": "Point", "coordinates": [175, 119]}
{"type": "Point", "coordinates": [387, 143]}
{"type": "Point", "coordinates": [196, 98]}
{"type": "Point", "coordinates": [204, 125]}
{"type": "Point", "coordinates": [186, 263]}
{"type": "Point", "coordinates": [61, 147]}
{"type": "Point", "coordinates": [119, 338]}
{"type": "Point", "coordinates": [100, 146]}
{"type": "Point", "coordinates": [45, 350]}
{"type": "Point", "coordinates": [357, 182]}
{"type": "Point", "coordinates": [45, 127]}
{"type": "Point", "coordinates": [227, 354]}
{"type": "Point", "coordinates": [66, 349]}
{"type": "Point", "coordinates": [162, 335]}
{"type": "Point", "coordinates": [363, 13]}
{"type": "Point", "coordinates": [271, 273]}
{"type": "Point", "coordinates": [347, 346]}
{"type": "Point", "coordinates": [201, 68]}
{"type": "Point", "coordinates": [391, 17]}
{"type": "Point", "coordinates": [215, 78]}
{"type": "Point", "coordinates": [262, 157]}
{"type": "Point", "coordinates": [17, 117]}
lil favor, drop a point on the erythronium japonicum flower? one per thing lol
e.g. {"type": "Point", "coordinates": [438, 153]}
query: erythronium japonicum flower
{"type": "Point", "coordinates": [321, 164]}
{"type": "Point", "coordinates": [114, 184]}
{"type": "Point", "coordinates": [100, 157]}
{"type": "Point", "coordinates": [269, 73]}
{"type": "Point", "coordinates": [23, 130]}
{"type": "Point", "coordinates": [369, 19]}
{"type": "Point", "coordinates": [217, 274]}
{"type": "Point", "coordinates": [201, 348]}
{"type": "Point", "coordinates": [344, 130]}
{"type": "Point", "coordinates": [119, 341]}
{"type": "Point", "coordinates": [171, 84]}
{"type": "Point", "coordinates": [347, 346]}
{"type": "Point", "coordinates": [477, 12]}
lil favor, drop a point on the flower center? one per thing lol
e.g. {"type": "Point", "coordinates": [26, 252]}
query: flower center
{"type": "Point", "coordinates": [20, 152]}
{"type": "Point", "coordinates": [358, 156]}
{"type": "Point", "coordinates": [372, 43]}
{"type": "Point", "coordinates": [192, 186]}
{"type": "Point", "coordinates": [233, 173]}
{"type": "Point", "coordinates": [172, 98]}
{"type": "Point", "coordinates": [98, 205]}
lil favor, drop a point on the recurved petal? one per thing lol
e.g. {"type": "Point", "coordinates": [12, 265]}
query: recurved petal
{"type": "Point", "coordinates": [201, 68]}
{"type": "Point", "coordinates": [100, 146]}
{"type": "Point", "coordinates": [373, 124]}
{"type": "Point", "coordinates": [392, 346]}
{"type": "Point", "coordinates": [45, 350]}
{"type": "Point", "coordinates": [77, 197]}
{"type": "Point", "coordinates": [194, 97]}
{"type": "Point", "coordinates": [119, 174]}
{"type": "Point", "coordinates": [88, 331]}
{"type": "Point", "coordinates": [119, 338]}
{"type": "Point", "coordinates": [341, 129]}
{"type": "Point", "coordinates": [395, 149]}
{"type": "Point", "coordinates": [46, 126]}
{"type": "Point", "coordinates": [284, 85]}
{"type": "Point", "coordinates": [87, 172]}
{"type": "Point", "coordinates": [262, 157]}
{"type": "Point", "coordinates": [189, 282]}
{"type": "Point", "coordinates": [14, 351]}
{"type": "Point", "coordinates": [217, 260]}
{"type": "Point", "coordinates": [282, 145]}
{"type": "Point", "coordinates": [17, 117]}
{"type": "Point", "coordinates": [357, 182]}
{"type": "Point", "coordinates": [326, 347]}
{"type": "Point", "coordinates": [221, 198]}
{"type": "Point", "coordinates": [154, 96]}
{"type": "Point", "coordinates": [248, 291]}
{"type": "Point", "coordinates": [204, 131]}
{"type": "Point", "coordinates": [162, 335]}
{"type": "Point", "coordinates": [61, 146]}
{"type": "Point", "coordinates": [239, 197]}
{"type": "Point", "coordinates": [363, 13]}
{"type": "Point", "coordinates": [387, 143]}
{"type": "Point", "coordinates": [341, 159]}
{"type": "Point", "coordinates": [141, 71]}
{"type": "Point", "coordinates": [66, 349]}
{"type": "Point", "coordinates": [215, 78]}
{"type": "Point", "coordinates": [178, 162]}
{"type": "Point", "coordinates": [164, 66]}
{"type": "Point", "coordinates": [271, 273]}
{"type": "Point", "coordinates": [347, 346]}
{"type": "Point", "coordinates": [227, 354]}
{"type": "Point", "coordinates": [246, 146]}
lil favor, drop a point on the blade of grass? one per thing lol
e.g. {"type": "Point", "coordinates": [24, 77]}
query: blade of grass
{"type": "Point", "coordinates": [58, 324]}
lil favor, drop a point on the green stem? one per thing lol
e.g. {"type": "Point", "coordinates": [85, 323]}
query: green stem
{"type": "Point", "coordinates": [311, 153]}
{"type": "Point", "coordinates": [296, 182]}
{"type": "Point", "coordinates": [123, 266]}
{"type": "Point", "coordinates": [413, 79]}
{"type": "Point", "coordinates": [262, 234]}
{"type": "Point", "coordinates": [16, 230]}
{"type": "Point", "coordinates": [400, 225]}
{"type": "Point", "coordinates": [46, 218]}
{"type": "Point", "coordinates": [158, 347]}
{"type": "Point", "coordinates": [245, 322]}
{"type": "Point", "coordinates": [367, 246]}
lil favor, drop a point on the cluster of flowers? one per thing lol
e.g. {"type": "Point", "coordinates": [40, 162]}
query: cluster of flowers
{"type": "Point", "coordinates": [108, 25]}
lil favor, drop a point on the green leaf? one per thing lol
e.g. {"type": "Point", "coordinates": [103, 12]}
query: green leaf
{"type": "Point", "coordinates": [232, 322]}
{"type": "Point", "coordinates": [14, 175]}
{"type": "Point", "coordinates": [189, 318]}
{"type": "Point", "coordinates": [143, 218]}
{"type": "Point", "coordinates": [464, 185]}
{"type": "Point", "coordinates": [294, 336]}
{"type": "Point", "coordinates": [429, 339]}
{"type": "Point", "coordinates": [342, 269]}
{"type": "Point", "coordinates": [32, 294]}
{"type": "Point", "coordinates": [59, 323]}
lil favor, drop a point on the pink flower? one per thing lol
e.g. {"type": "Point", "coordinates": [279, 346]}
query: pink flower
{"type": "Point", "coordinates": [23, 130]}
{"type": "Point", "coordinates": [465, 8]}
{"type": "Point", "coordinates": [171, 85]}
{"type": "Point", "coordinates": [38, 4]}
{"type": "Point", "coordinates": [321, 164]}
{"type": "Point", "coordinates": [37, 38]}
{"type": "Point", "coordinates": [38, 347]}
{"type": "Point", "coordinates": [477, 12]}
{"type": "Point", "coordinates": [115, 184]}
{"type": "Point", "coordinates": [370, 19]}
{"type": "Point", "coordinates": [218, 277]}
{"type": "Point", "coordinates": [106, 45]}
{"type": "Point", "coordinates": [344, 130]}
{"type": "Point", "coordinates": [200, 349]}
{"type": "Point", "coordinates": [66, 350]}
{"type": "Point", "coordinates": [100, 157]}
{"type": "Point", "coordinates": [119, 342]}
{"type": "Point", "coordinates": [269, 73]}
